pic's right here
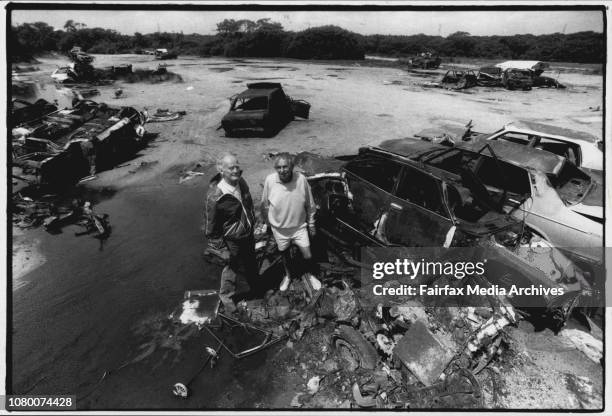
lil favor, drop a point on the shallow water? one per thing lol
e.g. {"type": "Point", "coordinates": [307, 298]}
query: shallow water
{"type": "Point", "coordinates": [81, 314]}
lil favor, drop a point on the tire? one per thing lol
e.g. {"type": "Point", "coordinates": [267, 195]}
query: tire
{"type": "Point", "coordinates": [354, 348]}
{"type": "Point", "coordinates": [229, 132]}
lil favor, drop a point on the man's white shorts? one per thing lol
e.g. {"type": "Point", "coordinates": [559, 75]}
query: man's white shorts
{"type": "Point", "coordinates": [285, 236]}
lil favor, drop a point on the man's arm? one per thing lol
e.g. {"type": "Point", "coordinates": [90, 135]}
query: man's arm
{"type": "Point", "coordinates": [211, 229]}
{"type": "Point", "coordinates": [310, 206]}
{"type": "Point", "coordinates": [265, 205]}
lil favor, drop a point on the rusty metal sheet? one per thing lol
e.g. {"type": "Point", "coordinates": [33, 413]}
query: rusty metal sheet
{"type": "Point", "coordinates": [423, 353]}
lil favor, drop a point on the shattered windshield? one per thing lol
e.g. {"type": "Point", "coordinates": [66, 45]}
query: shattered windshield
{"type": "Point", "coordinates": [571, 183]}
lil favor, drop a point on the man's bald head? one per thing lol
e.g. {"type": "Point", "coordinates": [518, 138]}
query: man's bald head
{"type": "Point", "coordinates": [229, 167]}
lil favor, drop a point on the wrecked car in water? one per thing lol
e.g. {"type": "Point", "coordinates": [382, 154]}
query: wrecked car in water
{"type": "Point", "coordinates": [69, 144]}
{"type": "Point", "coordinates": [391, 196]}
{"type": "Point", "coordinates": [263, 107]}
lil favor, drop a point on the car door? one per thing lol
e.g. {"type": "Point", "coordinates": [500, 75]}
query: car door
{"type": "Point", "coordinates": [371, 181]}
{"type": "Point", "coordinates": [418, 215]}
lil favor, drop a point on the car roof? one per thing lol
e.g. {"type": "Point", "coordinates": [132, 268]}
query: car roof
{"type": "Point", "coordinates": [408, 147]}
{"type": "Point", "coordinates": [516, 154]}
{"type": "Point", "coordinates": [256, 92]}
{"type": "Point", "coordinates": [552, 131]}
{"type": "Point", "coordinates": [520, 155]}
{"type": "Point", "coordinates": [531, 65]}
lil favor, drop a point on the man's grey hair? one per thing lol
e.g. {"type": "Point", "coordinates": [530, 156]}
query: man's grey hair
{"type": "Point", "coordinates": [287, 157]}
{"type": "Point", "coordinates": [222, 157]}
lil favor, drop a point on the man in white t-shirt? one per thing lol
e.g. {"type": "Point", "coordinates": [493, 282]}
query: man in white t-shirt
{"type": "Point", "coordinates": [289, 209]}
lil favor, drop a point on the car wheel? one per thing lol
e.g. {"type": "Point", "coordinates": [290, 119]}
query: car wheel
{"type": "Point", "coordinates": [229, 132]}
{"type": "Point", "coordinates": [354, 349]}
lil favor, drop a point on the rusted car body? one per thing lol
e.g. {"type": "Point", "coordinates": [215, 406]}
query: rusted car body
{"type": "Point", "coordinates": [517, 79]}
{"type": "Point", "coordinates": [424, 61]}
{"type": "Point", "coordinates": [565, 202]}
{"type": "Point", "coordinates": [458, 80]}
{"type": "Point", "coordinates": [23, 111]}
{"type": "Point", "coordinates": [263, 107]}
{"type": "Point", "coordinates": [61, 147]}
{"type": "Point", "coordinates": [165, 54]}
{"type": "Point", "coordinates": [490, 76]}
{"type": "Point", "coordinates": [387, 197]}
{"type": "Point", "coordinates": [579, 148]}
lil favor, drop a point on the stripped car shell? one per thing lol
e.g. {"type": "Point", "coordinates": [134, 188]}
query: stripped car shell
{"type": "Point", "coordinates": [263, 107]}
{"type": "Point", "coordinates": [61, 146]}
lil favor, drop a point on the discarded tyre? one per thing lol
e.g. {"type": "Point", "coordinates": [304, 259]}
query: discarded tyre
{"type": "Point", "coordinates": [354, 349]}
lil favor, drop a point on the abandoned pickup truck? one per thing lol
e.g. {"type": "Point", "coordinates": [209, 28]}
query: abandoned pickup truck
{"type": "Point", "coordinates": [64, 146]}
{"type": "Point", "coordinates": [387, 197]}
{"type": "Point", "coordinates": [262, 107]}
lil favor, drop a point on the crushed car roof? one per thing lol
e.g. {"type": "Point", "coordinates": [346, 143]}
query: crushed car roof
{"type": "Point", "coordinates": [520, 155]}
{"type": "Point", "coordinates": [517, 154]}
{"type": "Point", "coordinates": [553, 130]}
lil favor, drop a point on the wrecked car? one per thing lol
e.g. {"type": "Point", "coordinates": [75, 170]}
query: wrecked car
{"type": "Point", "coordinates": [387, 196]}
{"type": "Point", "coordinates": [458, 80]}
{"type": "Point", "coordinates": [560, 203]}
{"type": "Point", "coordinates": [165, 54]}
{"type": "Point", "coordinates": [424, 61]}
{"type": "Point", "coordinates": [23, 111]}
{"type": "Point", "coordinates": [69, 144]}
{"type": "Point", "coordinates": [517, 79]}
{"type": "Point", "coordinates": [580, 148]}
{"type": "Point", "coordinates": [489, 76]}
{"type": "Point", "coordinates": [264, 107]}
{"type": "Point", "coordinates": [565, 202]}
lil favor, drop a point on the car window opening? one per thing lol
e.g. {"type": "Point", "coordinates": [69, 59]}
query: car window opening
{"type": "Point", "coordinates": [250, 104]}
{"type": "Point", "coordinates": [571, 183]}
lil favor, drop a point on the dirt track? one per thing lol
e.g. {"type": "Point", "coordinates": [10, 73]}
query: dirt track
{"type": "Point", "coordinates": [352, 105]}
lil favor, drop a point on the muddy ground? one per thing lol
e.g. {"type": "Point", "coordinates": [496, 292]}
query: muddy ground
{"type": "Point", "coordinates": [83, 309]}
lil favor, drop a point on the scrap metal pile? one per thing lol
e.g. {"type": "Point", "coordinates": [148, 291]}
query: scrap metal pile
{"type": "Point", "coordinates": [66, 145]}
{"type": "Point", "coordinates": [511, 75]}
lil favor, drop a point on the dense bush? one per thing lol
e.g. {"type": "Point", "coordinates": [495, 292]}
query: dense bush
{"type": "Point", "coordinates": [587, 47]}
{"type": "Point", "coordinates": [325, 42]}
{"type": "Point", "coordinates": [264, 38]}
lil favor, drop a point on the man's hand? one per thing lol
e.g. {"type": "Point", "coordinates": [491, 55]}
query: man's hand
{"type": "Point", "coordinates": [312, 230]}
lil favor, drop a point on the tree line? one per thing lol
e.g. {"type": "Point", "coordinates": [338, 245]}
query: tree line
{"type": "Point", "coordinates": [265, 38]}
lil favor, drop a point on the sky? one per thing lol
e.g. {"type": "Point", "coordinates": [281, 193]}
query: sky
{"type": "Point", "coordinates": [365, 22]}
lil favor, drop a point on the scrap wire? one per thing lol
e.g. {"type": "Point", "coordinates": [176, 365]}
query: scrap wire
{"type": "Point", "coordinates": [268, 341]}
